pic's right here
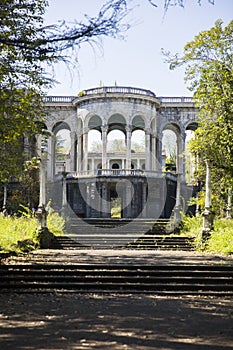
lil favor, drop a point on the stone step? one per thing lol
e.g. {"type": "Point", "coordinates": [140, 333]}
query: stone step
{"type": "Point", "coordinates": [122, 278]}
{"type": "Point", "coordinates": [131, 225]}
{"type": "Point", "coordinates": [124, 241]}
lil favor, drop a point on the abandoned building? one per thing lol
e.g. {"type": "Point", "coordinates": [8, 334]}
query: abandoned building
{"type": "Point", "coordinates": [138, 178]}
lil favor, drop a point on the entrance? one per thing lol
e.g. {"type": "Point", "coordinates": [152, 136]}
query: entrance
{"type": "Point", "coordinates": [116, 203]}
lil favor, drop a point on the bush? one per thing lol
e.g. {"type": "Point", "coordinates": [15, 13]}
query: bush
{"type": "Point", "coordinates": [221, 239]}
{"type": "Point", "coordinates": [14, 229]}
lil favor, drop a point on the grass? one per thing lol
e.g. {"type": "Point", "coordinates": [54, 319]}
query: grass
{"type": "Point", "coordinates": [14, 230]}
{"type": "Point", "coordinates": [221, 238]}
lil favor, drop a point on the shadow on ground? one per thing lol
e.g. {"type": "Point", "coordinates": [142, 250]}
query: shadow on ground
{"type": "Point", "coordinates": [103, 321]}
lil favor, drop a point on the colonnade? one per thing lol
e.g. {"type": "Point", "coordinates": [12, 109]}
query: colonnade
{"type": "Point", "coordinates": [79, 155]}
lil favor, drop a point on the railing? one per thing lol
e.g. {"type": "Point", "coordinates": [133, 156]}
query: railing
{"type": "Point", "coordinates": [58, 99]}
{"type": "Point", "coordinates": [120, 172]}
{"type": "Point", "coordinates": [176, 99]}
{"type": "Point", "coordinates": [116, 90]}
{"type": "Point", "coordinates": [123, 172]}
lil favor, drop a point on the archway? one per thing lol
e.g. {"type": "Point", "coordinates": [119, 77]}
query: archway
{"type": "Point", "coordinates": [62, 147]}
{"type": "Point", "coordinates": [189, 158]}
{"type": "Point", "coordinates": [169, 150]}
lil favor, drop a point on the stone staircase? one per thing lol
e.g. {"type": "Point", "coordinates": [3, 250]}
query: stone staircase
{"type": "Point", "coordinates": [122, 233]}
{"type": "Point", "coordinates": [180, 279]}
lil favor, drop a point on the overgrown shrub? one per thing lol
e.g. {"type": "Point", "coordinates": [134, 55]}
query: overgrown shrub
{"type": "Point", "coordinates": [221, 238]}
{"type": "Point", "coordinates": [19, 233]}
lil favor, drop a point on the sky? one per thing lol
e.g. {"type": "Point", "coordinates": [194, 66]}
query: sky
{"type": "Point", "coordinates": [137, 60]}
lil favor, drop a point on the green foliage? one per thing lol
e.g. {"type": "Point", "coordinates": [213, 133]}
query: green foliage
{"type": "Point", "coordinates": [209, 70]}
{"type": "Point", "coordinates": [26, 212]}
{"type": "Point", "coordinates": [19, 233]}
{"type": "Point", "coordinates": [116, 208]}
{"type": "Point", "coordinates": [25, 46]}
{"type": "Point", "coordinates": [96, 146]}
{"type": "Point", "coordinates": [14, 229]}
{"type": "Point", "coordinates": [56, 224]}
{"type": "Point", "coordinates": [138, 147]}
{"type": "Point", "coordinates": [221, 240]}
{"type": "Point", "coordinates": [191, 226]}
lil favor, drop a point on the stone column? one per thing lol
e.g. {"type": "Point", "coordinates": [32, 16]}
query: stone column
{"type": "Point", "coordinates": [128, 147]}
{"type": "Point", "coordinates": [178, 207]}
{"type": "Point", "coordinates": [80, 152]}
{"type": "Point", "coordinates": [159, 153]}
{"type": "Point", "coordinates": [229, 207]}
{"type": "Point", "coordinates": [85, 150]}
{"type": "Point", "coordinates": [73, 151]}
{"type": "Point", "coordinates": [153, 153]}
{"type": "Point", "coordinates": [41, 212]}
{"type": "Point", "coordinates": [64, 193]}
{"type": "Point", "coordinates": [180, 164]}
{"type": "Point", "coordinates": [104, 146]}
{"type": "Point", "coordinates": [147, 149]}
{"type": "Point", "coordinates": [26, 145]}
{"type": "Point", "coordinates": [208, 217]}
{"type": "Point", "coordinates": [51, 157]}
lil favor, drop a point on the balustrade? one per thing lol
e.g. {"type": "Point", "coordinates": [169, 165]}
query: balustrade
{"type": "Point", "coordinates": [123, 172]}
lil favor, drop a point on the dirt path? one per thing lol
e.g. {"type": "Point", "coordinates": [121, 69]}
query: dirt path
{"type": "Point", "coordinates": [71, 321]}
{"type": "Point", "coordinates": [120, 256]}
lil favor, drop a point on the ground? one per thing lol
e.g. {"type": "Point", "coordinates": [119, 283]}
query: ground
{"type": "Point", "coordinates": [71, 321]}
{"type": "Point", "coordinates": [56, 321]}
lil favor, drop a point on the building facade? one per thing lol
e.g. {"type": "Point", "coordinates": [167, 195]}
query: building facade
{"type": "Point", "coordinates": [137, 180]}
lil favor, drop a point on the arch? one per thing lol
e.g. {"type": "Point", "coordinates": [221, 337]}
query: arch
{"type": "Point", "coordinates": [95, 122]}
{"type": "Point", "coordinates": [94, 141]}
{"type": "Point", "coordinates": [115, 166]}
{"type": "Point", "coordinates": [190, 165]}
{"type": "Point", "coordinates": [173, 127]}
{"type": "Point", "coordinates": [116, 122]}
{"type": "Point", "coordinates": [138, 123]}
{"type": "Point", "coordinates": [192, 126]}
{"type": "Point", "coordinates": [62, 149]}
{"type": "Point", "coordinates": [116, 141]}
{"type": "Point", "coordinates": [41, 125]}
{"type": "Point", "coordinates": [138, 141]}
{"type": "Point", "coordinates": [60, 126]}
{"type": "Point", "coordinates": [169, 142]}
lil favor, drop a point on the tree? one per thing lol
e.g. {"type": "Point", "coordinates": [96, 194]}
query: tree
{"type": "Point", "coordinates": [209, 70]}
{"type": "Point", "coordinates": [25, 45]}
{"type": "Point", "coordinates": [169, 3]}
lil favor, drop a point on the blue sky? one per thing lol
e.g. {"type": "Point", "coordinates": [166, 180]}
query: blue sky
{"type": "Point", "coordinates": [137, 61]}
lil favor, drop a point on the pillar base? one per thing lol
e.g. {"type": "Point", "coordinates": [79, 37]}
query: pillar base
{"type": "Point", "coordinates": [45, 238]}
{"type": "Point", "coordinates": [41, 215]}
{"type": "Point", "coordinates": [177, 215]}
{"type": "Point", "coordinates": [228, 213]}
{"type": "Point", "coordinates": [208, 223]}
{"type": "Point", "coordinates": [64, 211]}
